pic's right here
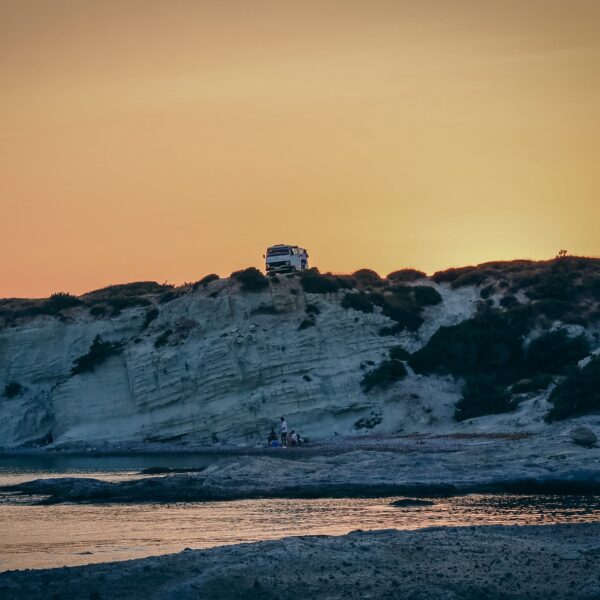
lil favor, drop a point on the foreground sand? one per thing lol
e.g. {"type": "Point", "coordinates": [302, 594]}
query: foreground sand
{"type": "Point", "coordinates": [559, 561]}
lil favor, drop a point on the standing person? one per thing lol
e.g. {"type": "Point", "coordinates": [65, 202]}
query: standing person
{"type": "Point", "coordinates": [283, 430]}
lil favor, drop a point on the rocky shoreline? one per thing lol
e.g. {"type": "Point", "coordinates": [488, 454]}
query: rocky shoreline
{"type": "Point", "coordinates": [558, 561]}
{"type": "Point", "coordinates": [524, 465]}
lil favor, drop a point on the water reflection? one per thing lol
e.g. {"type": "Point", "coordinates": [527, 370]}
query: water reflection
{"type": "Point", "coordinates": [50, 536]}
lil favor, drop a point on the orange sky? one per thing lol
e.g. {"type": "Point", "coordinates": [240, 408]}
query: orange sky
{"type": "Point", "coordinates": [166, 140]}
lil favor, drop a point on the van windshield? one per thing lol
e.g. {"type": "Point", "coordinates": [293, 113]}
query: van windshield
{"type": "Point", "coordinates": [278, 251]}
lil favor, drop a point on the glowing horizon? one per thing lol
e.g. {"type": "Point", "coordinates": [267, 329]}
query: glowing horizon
{"type": "Point", "coordinates": [164, 141]}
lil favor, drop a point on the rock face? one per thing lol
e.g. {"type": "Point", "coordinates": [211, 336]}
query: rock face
{"type": "Point", "coordinates": [582, 436]}
{"type": "Point", "coordinates": [219, 364]}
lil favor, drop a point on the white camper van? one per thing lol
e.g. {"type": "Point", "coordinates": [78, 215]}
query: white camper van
{"type": "Point", "coordinates": [283, 258]}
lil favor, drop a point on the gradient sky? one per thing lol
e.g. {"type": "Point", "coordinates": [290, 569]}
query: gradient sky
{"type": "Point", "coordinates": [166, 140]}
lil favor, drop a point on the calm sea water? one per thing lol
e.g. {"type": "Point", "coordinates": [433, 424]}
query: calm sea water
{"type": "Point", "coordinates": [67, 534]}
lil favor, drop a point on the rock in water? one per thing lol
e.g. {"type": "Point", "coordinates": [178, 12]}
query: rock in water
{"type": "Point", "coordinates": [582, 436]}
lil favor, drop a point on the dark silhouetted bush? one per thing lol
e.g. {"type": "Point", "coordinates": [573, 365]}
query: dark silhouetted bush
{"type": "Point", "coordinates": [251, 280]}
{"type": "Point", "coordinates": [99, 310]}
{"type": "Point", "coordinates": [312, 309]}
{"type": "Point", "coordinates": [555, 350]}
{"type": "Point", "coordinates": [60, 301]}
{"type": "Point", "coordinates": [99, 351]}
{"type": "Point", "coordinates": [406, 313]}
{"type": "Point", "coordinates": [393, 330]}
{"type": "Point", "coordinates": [552, 309]}
{"type": "Point", "coordinates": [406, 275]}
{"type": "Point", "coordinates": [450, 275]}
{"type": "Point", "coordinates": [314, 283]}
{"type": "Point", "coordinates": [387, 373]}
{"type": "Point", "coordinates": [368, 422]}
{"type": "Point", "coordinates": [489, 343]}
{"type": "Point", "coordinates": [265, 309]}
{"type": "Point", "coordinates": [537, 382]}
{"type": "Point", "coordinates": [12, 389]}
{"type": "Point", "coordinates": [118, 304]}
{"type": "Point", "coordinates": [306, 324]}
{"type": "Point", "coordinates": [163, 338]}
{"type": "Point", "coordinates": [508, 301]}
{"type": "Point", "coordinates": [577, 395]}
{"type": "Point", "coordinates": [205, 281]}
{"type": "Point", "coordinates": [399, 353]}
{"type": "Point", "coordinates": [425, 295]}
{"type": "Point", "coordinates": [481, 396]}
{"type": "Point", "coordinates": [486, 292]}
{"type": "Point", "coordinates": [367, 277]}
{"type": "Point", "coordinates": [474, 277]}
{"type": "Point", "coordinates": [357, 301]}
{"type": "Point", "coordinates": [149, 317]}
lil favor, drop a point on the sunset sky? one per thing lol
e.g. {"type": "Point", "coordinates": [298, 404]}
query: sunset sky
{"type": "Point", "coordinates": [166, 140]}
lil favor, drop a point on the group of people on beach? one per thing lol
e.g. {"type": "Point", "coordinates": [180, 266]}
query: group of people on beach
{"type": "Point", "coordinates": [287, 438]}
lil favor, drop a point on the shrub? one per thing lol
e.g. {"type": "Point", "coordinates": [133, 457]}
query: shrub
{"type": "Point", "coordinates": [399, 353]}
{"type": "Point", "coordinates": [406, 275]}
{"type": "Point", "coordinates": [312, 309]}
{"type": "Point", "coordinates": [508, 301]}
{"type": "Point", "coordinates": [425, 295]}
{"type": "Point", "coordinates": [579, 394]}
{"type": "Point", "coordinates": [163, 338]}
{"type": "Point", "coordinates": [12, 389]}
{"type": "Point", "coordinates": [555, 350]}
{"type": "Point", "coordinates": [537, 382]}
{"type": "Point", "coordinates": [405, 313]}
{"type": "Point", "coordinates": [393, 330]}
{"type": "Point", "coordinates": [474, 277]}
{"type": "Point", "coordinates": [481, 395]}
{"type": "Point", "coordinates": [98, 353]}
{"type": "Point", "coordinates": [449, 275]}
{"type": "Point", "coordinates": [149, 317]}
{"type": "Point", "coordinates": [388, 372]}
{"type": "Point", "coordinates": [551, 308]}
{"type": "Point", "coordinates": [98, 310]}
{"type": "Point", "coordinates": [251, 280]}
{"type": "Point", "coordinates": [488, 343]}
{"type": "Point", "coordinates": [345, 282]}
{"type": "Point", "coordinates": [60, 301]}
{"type": "Point", "coordinates": [357, 301]}
{"type": "Point", "coordinates": [368, 422]}
{"type": "Point", "coordinates": [486, 292]}
{"type": "Point", "coordinates": [118, 304]}
{"type": "Point", "coordinates": [306, 324]}
{"type": "Point", "coordinates": [367, 277]}
{"type": "Point", "coordinates": [205, 281]}
{"type": "Point", "coordinates": [314, 283]}
{"type": "Point", "coordinates": [265, 309]}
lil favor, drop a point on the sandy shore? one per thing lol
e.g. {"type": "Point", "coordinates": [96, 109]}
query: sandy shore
{"type": "Point", "coordinates": [559, 561]}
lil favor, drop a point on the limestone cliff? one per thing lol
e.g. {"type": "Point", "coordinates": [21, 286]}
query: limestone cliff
{"type": "Point", "coordinates": [218, 364]}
